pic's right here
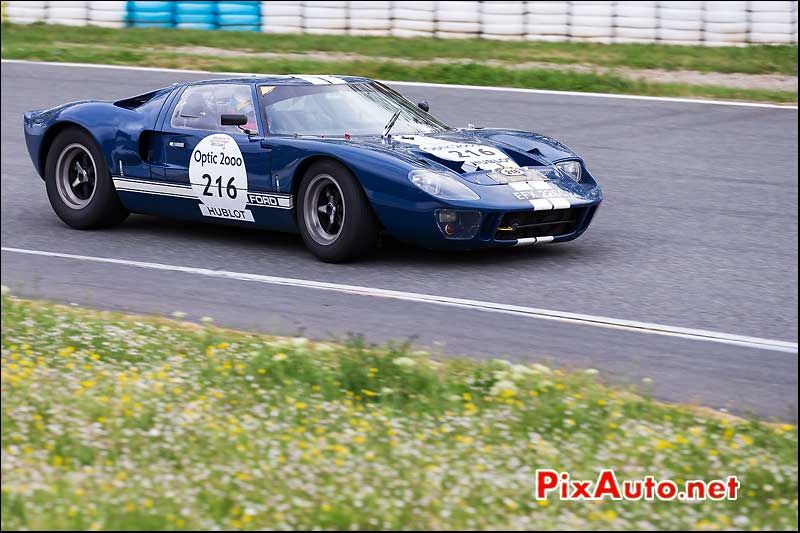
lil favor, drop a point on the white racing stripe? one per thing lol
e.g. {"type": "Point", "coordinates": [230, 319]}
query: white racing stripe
{"type": "Point", "coordinates": [177, 190]}
{"type": "Point", "coordinates": [476, 305]}
{"type": "Point", "coordinates": [333, 79]}
{"type": "Point", "coordinates": [423, 84]}
{"type": "Point", "coordinates": [560, 203]}
{"type": "Point", "coordinates": [313, 80]}
{"type": "Point", "coordinates": [152, 187]}
{"type": "Point", "coordinates": [541, 204]}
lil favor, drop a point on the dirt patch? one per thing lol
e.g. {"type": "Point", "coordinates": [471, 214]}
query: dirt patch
{"type": "Point", "coordinates": [772, 82]}
{"type": "Point", "coordinates": [775, 82]}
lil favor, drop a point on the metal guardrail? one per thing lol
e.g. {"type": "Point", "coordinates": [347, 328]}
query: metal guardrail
{"type": "Point", "coordinates": [674, 22]}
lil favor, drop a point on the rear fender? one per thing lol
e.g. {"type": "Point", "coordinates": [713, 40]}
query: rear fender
{"type": "Point", "coordinates": [116, 130]}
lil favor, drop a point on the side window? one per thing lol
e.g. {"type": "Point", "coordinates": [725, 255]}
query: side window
{"type": "Point", "coordinates": [201, 107]}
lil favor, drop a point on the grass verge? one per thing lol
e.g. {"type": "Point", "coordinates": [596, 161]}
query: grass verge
{"type": "Point", "coordinates": [118, 422]}
{"type": "Point", "coordinates": [151, 47]}
{"type": "Point", "coordinates": [748, 60]}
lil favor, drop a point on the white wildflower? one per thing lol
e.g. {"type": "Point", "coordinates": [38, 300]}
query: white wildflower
{"type": "Point", "coordinates": [405, 362]}
{"type": "Point", "coordinates": [541, 369]}
{"type": "Point", "coordinates": [741, 521]}
{"type": "Point", "coordinates": [502, 386]}
{"type": "Point", "coordinates": [321, 347]}
{"type": "Point", "coordinates": [521, 371]}
{"type": "Point", "coordinates": [500, 375]}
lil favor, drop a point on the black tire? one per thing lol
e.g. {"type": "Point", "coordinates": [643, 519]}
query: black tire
{"type": "Point", "coordinates": [358, 228]}
{"type": "Point", "coordinates": [101, 207]}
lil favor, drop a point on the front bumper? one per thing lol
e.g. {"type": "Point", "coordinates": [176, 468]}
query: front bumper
{"type": "Point", "coordinates": [499, 227]}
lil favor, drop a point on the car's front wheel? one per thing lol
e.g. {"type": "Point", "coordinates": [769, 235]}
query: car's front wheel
{"type": "Point", "coordinates": [335, 218]}
{"type": "Point", "coordinates": [79, 185]}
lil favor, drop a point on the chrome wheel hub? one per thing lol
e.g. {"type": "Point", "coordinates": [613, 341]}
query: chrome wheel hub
{"type": "Point", "coordinates": [323, 209]}
{"type": "Point", "coordinates": [76, 176]}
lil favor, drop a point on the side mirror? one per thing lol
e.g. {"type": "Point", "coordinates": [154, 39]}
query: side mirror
{"type": "Point", "coordinates": [233, 120]}
{"type": "Point", "coordinates": [424, 105]}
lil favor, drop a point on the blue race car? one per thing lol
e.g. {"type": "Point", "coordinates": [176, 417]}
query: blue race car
{"type": "Point", "coordinates": [338, 159]}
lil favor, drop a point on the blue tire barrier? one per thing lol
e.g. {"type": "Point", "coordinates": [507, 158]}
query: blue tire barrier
{"type": "Point", "coordinates": [233, 16]}
{"type": "Point", "coordinates": [195, 26]}
{"type": "Point", "coordinates": [195, 18]}
{"type": "Point", "coordinates": [239, 8]}
{"type": "Point", "coordinates": [152, 24]}
{"type": "Point", "coordinates": [236, 20]}
{"type": "Point", "coordinates": [151, 17]}
{"type": "Point", "coordinates": [160, 7]}
{"type": "Point", "coordinates": [256, 27]}
{"type": "Point", "coordinates": [195, 8]}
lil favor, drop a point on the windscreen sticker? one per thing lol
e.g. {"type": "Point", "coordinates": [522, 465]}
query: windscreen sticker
{"type": "Point", "coordinates": [219, 178]}
{"type": "Point", "coordinates": [473, 156]}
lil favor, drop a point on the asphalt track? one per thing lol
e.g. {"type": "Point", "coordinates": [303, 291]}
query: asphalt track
{"type": "Point", "coordinates": [698, 230]}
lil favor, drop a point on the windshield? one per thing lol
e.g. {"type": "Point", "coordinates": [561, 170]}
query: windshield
{"type": "Point", "coordinates": [333, 110]}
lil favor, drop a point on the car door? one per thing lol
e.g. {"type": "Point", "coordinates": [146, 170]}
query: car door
{"type": "Point", "coordinates": [219, 165]}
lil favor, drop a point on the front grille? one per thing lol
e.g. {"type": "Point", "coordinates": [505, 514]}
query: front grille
{"type": "Point", "coordinates": [527, 224]}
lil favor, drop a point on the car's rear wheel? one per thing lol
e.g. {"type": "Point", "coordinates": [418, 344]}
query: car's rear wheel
{"type": "Point", "coordinates": [79, 185]}
{"type": "Point", "coordinates": [335, 219]}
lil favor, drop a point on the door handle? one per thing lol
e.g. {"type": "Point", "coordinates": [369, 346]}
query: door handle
{"type": "Point", "coordinates": [176, 144]}
{"type": "Point", "coordinates": [265, 145]}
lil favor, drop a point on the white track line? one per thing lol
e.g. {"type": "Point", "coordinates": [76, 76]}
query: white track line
{"type": "Point", "coordinates": [595, 95]}
{"type": "Point", "coordinates": [424, 84]}
{"type": "Point", "coordinates": [476, 305]}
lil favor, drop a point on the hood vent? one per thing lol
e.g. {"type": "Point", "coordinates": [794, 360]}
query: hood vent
{"type": "Point", "coordinates": [455, 166]}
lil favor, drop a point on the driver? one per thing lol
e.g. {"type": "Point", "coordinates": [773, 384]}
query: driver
{"type": "Point", "coordinates": [241, 103]}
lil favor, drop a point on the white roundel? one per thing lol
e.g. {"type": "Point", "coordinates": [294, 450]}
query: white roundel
{"type": "Point", "coordinates": [473, 156]}
{"type": "Point", "coordinates": [219, 178]}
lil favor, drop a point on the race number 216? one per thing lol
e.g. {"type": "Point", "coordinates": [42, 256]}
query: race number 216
{"type": "Point", "coordinates": [230, 188]}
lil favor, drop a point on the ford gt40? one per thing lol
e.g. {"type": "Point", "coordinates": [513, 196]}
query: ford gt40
{"type": "Point", "coordinates": [339, 159]}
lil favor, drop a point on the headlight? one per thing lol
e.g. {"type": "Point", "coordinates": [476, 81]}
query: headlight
{"type": "Point", "coordinates": [573, 168]}
{"type": "Point", "coordinates": [441, 185]}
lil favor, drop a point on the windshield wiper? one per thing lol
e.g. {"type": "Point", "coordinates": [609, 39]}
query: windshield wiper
{"type": "Point", "coordinates": [391, 122]}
